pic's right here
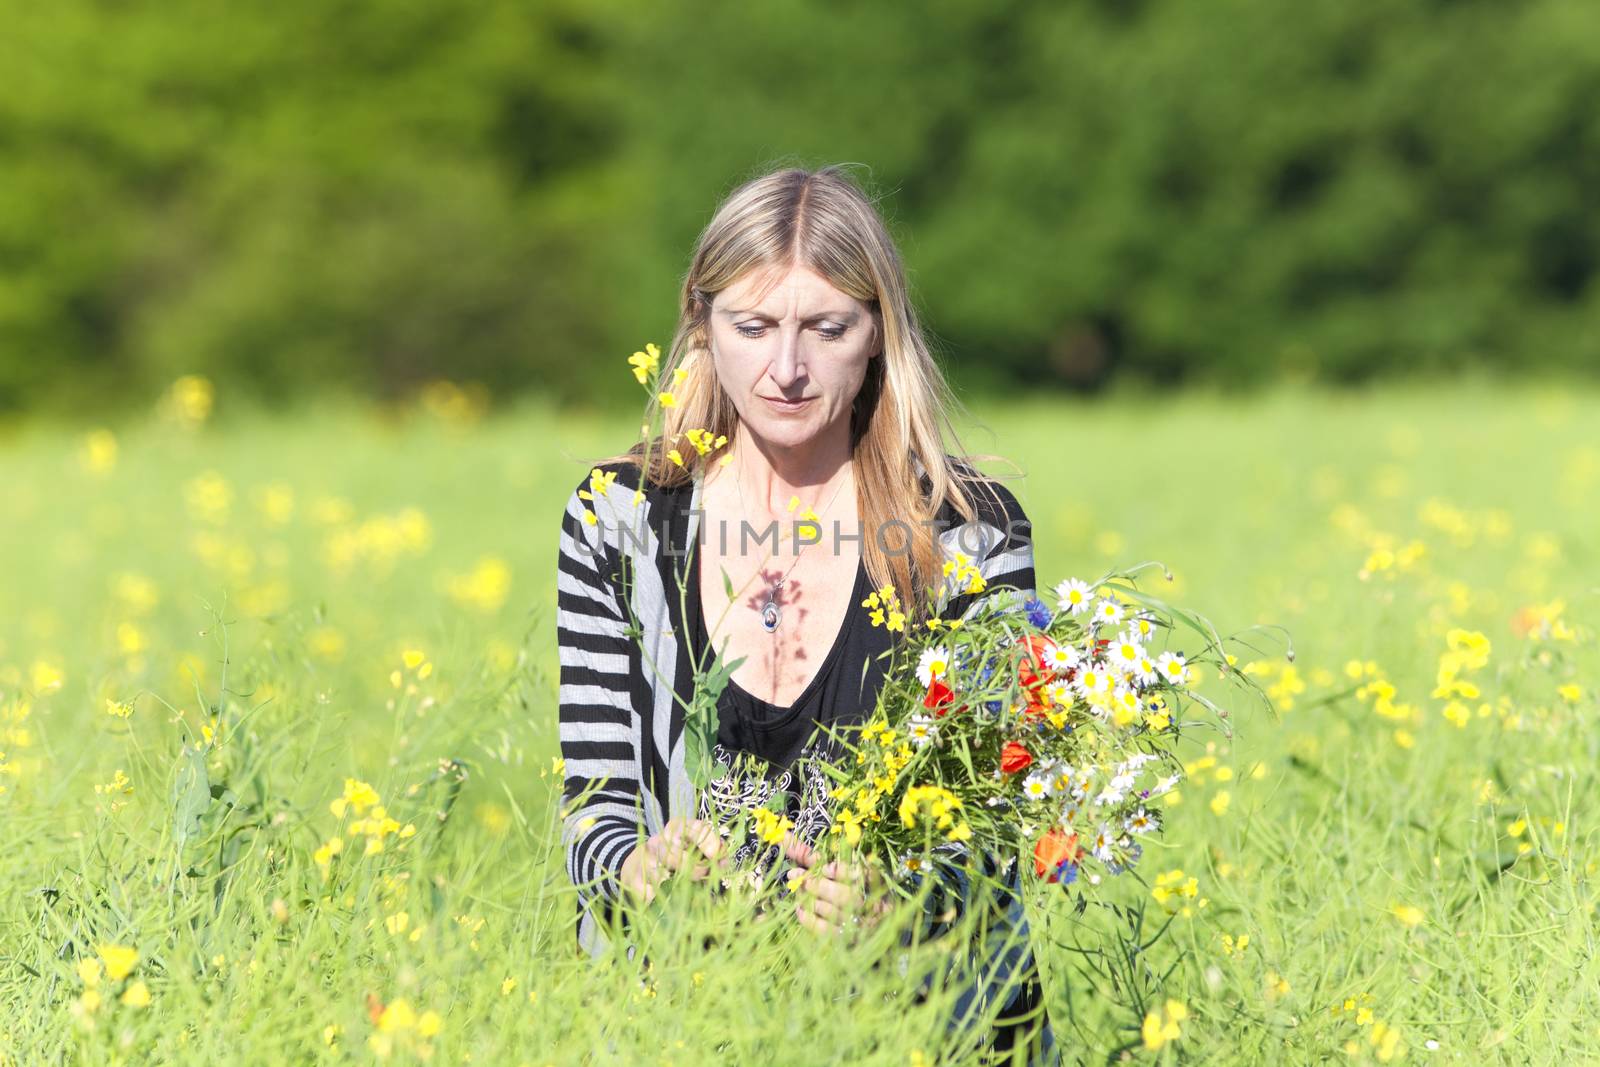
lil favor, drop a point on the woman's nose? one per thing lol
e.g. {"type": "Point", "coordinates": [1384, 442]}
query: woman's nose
{"type": "Point", "coordinates": [786, 364]}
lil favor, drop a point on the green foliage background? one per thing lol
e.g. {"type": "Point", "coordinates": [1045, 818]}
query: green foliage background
{"type": "Point", "coordinates": [363, 197]}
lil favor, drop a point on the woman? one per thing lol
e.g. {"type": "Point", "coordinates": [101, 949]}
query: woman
{"type": "Point", "coordinates": [799, 345]}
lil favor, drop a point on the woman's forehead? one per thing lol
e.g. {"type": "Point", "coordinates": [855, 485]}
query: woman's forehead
{"type": "Point", "coordinates": [771, 291]}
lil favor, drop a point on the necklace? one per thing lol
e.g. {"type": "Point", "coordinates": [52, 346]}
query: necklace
{"type": "Point", "coordinates": [771, 614]}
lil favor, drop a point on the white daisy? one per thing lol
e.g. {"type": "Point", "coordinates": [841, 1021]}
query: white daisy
{"type": "Point", "coordinates": [1073, 596]}
{"type": "Point", "coordinates": [1094, 682]}
{"type": "Point", "coordinates": [1115, 790]}
{"type": "Point", "coordinates": [1171, 666]}
{"type": "Point", "coordinates": [1144, 671]}
{"type": "Point", "coordinates": [921, 729]}
{"type": "Point", "coordinates": [1140, 822]}
{"type": "Point", "coordinates": [1069, 814]}
{"type": "Point", "coordinates": [1107, 612]}
{"type": "Point", "coordinates": [1063, 657]}
{"type": "Point", "coordinates": [1125, 653]}
{"type": "Point", "coordinates": [1142, 627]}
{"type": "Point", "coordinates": [1060, 693]}
{"type": "Point", "coordinates": [1165, 785]}
{"type": "Point", "coordinates": [1079, 790]}
{"type": "Point", "coordinates": [1036, 786]}
{"type": "Point", "coordinates": [1135, 761]}
{"type": "Point", "coordinates": [1102, 844]}
{"type": "Point", "coordinates": [933, 664]}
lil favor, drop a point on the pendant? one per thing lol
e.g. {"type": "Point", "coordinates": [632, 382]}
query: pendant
{"type": "Point", "coordinates": [770, 616]}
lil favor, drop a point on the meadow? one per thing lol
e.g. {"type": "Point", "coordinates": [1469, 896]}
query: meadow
{"type": "Point", "coordinates": [227, 643]}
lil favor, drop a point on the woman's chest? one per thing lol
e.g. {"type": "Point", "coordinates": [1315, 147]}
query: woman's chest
{"type": "Point", "coordinates": [783, 614]}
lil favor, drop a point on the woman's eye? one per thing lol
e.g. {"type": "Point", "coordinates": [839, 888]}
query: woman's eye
{"type": "Point", "coordinates": [756, 331]}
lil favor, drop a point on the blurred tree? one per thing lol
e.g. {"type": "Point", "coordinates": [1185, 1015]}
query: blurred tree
{"type": "Point", "coordinates": [366, 196]}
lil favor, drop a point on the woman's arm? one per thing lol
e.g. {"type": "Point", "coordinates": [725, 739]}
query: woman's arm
{"type": "Point", "coordinates": [603, 816]}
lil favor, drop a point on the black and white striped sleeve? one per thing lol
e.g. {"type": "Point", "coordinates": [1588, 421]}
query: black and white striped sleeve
{"type": "Point", "coordinates": [602, 815]}
{"type": "Point", "coordinates": [999, 540]}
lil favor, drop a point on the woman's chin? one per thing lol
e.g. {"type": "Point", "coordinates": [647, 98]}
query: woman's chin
{"type": "Point", "coordinates": [786, 432]}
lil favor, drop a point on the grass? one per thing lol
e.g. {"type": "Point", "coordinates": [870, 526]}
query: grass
{"type": "Point", "coordinates": [1415, 879]}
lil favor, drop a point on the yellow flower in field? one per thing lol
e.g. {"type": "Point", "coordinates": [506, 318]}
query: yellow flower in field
{"type": "Point", "coordinates": [208, 497]}
{"type": "Point", "coordinates": [358, 795]}
{"type": "Point", "coordinates": [1570, 693]}
{"type": "Point", "coordinates": [188, 400]}
{"type": "Point", "coordinates": [1472, 647]}
{"type": "Point", "coordinates": [429, 1023]}
{"type": "Point", "coordinates": [137, 995]}
{"type": "Point", "coordinates": [1407, 914]}
{"type": "Point", "coordinates": [644, 363]}
{"type": "Point", "coordinates": [89, 972]}
{"type": "Point", "coordinates": [98, 454]}
{"type": "Point", "coordinates": [413, 658]}
{"type": "Point", "coordinates": [1276, 985]}
{"type": "Point", "coordinates": [275, 502]}
{"type": "Point", "coordinates": [507, 986]}
{"type": "Point", "coordinates": [326, 643]}
{"type": "Point", "coordinates": [330, 1034]}
{"type": "Point", "coordinates": [676, 456]}
{"type": "Point", "coordinates": [1173, 887]}
{"type": "Point", "coordinates": [46, 677]}
{"type": "Point", "coordinates": [667, 400]}
{"type": "Point", "coordinates": [1161, 1027]}
{"type": "Point", "coordinates": [1220, 802]}
{"type": "Point", "coordinates": [1385, 1040]}
{"type": "Point", "coordinates": [488, 584]}
{"type": "Point", "coordinates": [396, 1015]}
{"type": "Point", "coordinates": [118, 960]}
{"type": "Point", "coordinates": [122, 709]}
{"type": "Point", "coordinates": [120, 784]}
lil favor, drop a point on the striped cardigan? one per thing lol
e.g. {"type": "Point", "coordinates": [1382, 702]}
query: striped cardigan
{"type": "Point", "coordinates": [626, 673]}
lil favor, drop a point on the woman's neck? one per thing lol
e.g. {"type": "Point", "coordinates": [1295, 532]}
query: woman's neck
{"type": "Point", "coordinates": [772, 475]}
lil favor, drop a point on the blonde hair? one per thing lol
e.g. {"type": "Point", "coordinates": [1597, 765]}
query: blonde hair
{"type": "Point", "coordinates": [822, 220]}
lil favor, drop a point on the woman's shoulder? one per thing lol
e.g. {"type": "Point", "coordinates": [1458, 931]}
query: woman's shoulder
{"type": "Point", "coordinates": [608, 508]}
{"type": "Point", "coordinates": [992, 501]}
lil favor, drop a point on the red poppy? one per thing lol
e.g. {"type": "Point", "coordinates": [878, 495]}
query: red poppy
{"type": "Point", "coordinates": [938, 698]}
{"type": "Point", "coordinates": [1052, 849]}
{"type": "Point", "coordinates": [1013, 757]}
{"type": "Point", "coordinates": [1034, 669]}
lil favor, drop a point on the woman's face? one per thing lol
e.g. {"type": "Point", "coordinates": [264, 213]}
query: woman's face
{"type": "Point", "coordinates": [793, 361]}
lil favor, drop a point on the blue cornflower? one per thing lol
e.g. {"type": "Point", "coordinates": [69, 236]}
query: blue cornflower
{"type": "Point", "coordinates": [1038, 614]}
{"type": "Point", "coordinates": [1066, 872]}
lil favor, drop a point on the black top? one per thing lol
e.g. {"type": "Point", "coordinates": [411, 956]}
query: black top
{"type": "Point", "coordinates": [841, 693]}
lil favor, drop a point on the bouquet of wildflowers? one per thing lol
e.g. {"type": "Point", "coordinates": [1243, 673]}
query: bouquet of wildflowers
{"type": "Point", "coordinates": [1022, 730]}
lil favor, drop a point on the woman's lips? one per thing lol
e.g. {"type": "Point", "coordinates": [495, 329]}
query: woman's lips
{"type": "Point", "coordinates": [780, 404]}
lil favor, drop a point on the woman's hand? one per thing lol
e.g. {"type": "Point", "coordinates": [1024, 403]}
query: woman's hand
{"type": "Point", "coordinates": [680, 845]}
{"type": "Point", "coordinates": [835, 896]}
